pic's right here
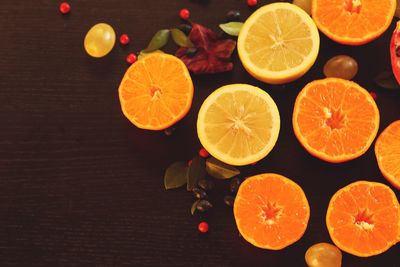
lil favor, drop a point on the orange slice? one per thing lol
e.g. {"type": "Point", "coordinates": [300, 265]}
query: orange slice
{"type": "Point", "coordinates": [387, 151]}
{"type": "Point", "coordinates": [156, 91]}
{"type": "Point", "coordinates": [271, 211]}
{"type": "Point", "coordinates": [353, 22]}
{"type": "Point", "coordinates": [363, 218]}
{"type": "Point", "coordinates": [335, 120]}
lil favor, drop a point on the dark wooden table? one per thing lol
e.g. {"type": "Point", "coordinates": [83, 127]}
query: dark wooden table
{"type": "Point", "coordinates": [81, 186]}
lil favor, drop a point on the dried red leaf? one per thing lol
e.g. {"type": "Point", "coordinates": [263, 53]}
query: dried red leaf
{"type": "Point", "coordinates": [213, 54]}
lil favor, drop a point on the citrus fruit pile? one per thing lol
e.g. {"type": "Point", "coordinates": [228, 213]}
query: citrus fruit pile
{"type": "Point", "coordinates": [334, 119]}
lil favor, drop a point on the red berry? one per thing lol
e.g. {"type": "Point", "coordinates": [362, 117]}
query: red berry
{"type": "Point", "coordinates": [131, 58]}
{"type": "Point", "coordinates": [203, 227]}
{"type": "Point", "coordinates": [184, 14]}
{"type": "Point", "coordinates": [251, 3]}
{"type": "Point", "coordinates": [373, 94]}
{"type": "Point", "coordinates": [203, 153]}
{"type": "Point", "coordinates": [124, 39]}
{"type": "Point", "coordinates": [65, 8]}
{"type": "Point", "coordinates": [189, 163]}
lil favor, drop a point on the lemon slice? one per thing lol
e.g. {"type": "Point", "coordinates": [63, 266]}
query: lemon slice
{"type": "Point", "coordinates": [278, 43]}
{"type": "Point", "coordinates": [238, 124]}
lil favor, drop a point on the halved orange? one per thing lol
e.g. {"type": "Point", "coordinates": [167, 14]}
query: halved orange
{"type": "Point", "coordinates": [363, 218]}
{"type": "Point", "coordinates": [335, 120]}
{"type": "Point", "coordinates": [353, 22]}
{"type": "Point", "coordinates": [387, 151]}
{"type": "Point", "coordinates": [271, 211]}
{"type": "Point", "coordinates": [156, 91]}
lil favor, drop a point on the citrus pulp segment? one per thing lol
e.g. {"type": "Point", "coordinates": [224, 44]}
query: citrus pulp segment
{"type": "Point", "coordinates": [335, 120]}
{"type": "Point", "coordinates": [387, 151]}
{"type": "Point", "coordinates": [363, 218]}
{"type": "Point", "coordinates": [353, 22]}
{"type": "Point", "coordinates": [156, 91]}
{"type": "Point", "coordinates": [271, 211]}
{"type": "Point", "coordinates": [238, 124]}
{"type": "Point", "coordinates": [278, 43]}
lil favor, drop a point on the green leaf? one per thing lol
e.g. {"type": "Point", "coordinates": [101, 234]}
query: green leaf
{"type": "Point", "coordinates": [220, 170]}
{"type": "Point", "coordinates": [143, 54]}
{"type": "Point", "coordinates": [180, 38]}
{"type": "Point", "coordinates": [158, 41]}
{"type": "Point", "coordinates": [386, 80]}
{"type": "Point", "coordinates": [196, 171]}
{"type": "Point", "coordinates": [194, 206]}
{"type": "Point", "coordinates": [175, 175]}
{"type": "Point", "coordinates": [231, 28]}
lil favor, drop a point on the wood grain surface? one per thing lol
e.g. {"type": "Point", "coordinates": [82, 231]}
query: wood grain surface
{"type": "Point", "coordinates": [81, 186]}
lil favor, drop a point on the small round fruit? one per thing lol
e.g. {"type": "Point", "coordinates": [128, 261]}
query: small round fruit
{"type": "Point", "coordinates": [323, 255]}
{"type": "Point", "coordinates": [203, 227]}
{"type": "Point", "coordinates": [233, 15]}
{"type": "Point", "coordinates": [64, 8]}
{"type": "Point", "coordinates": [252, 3]}
{"type": "Point", "coordinates": [341, 66]}
{"type": "Point", "coordinates": [206, 184]}
{"type": "Point", "coordinates": [234, 184]}
{"type": "Point", "coordinates": [131, 58]}
{"type": "Point", "coordinates": [99, 40]}
{"type": "Point", "coordinates": [203, 153]}
{"type": "Point", "coordinates": [199, 193]}
{"type": "Point", "coordinates": [184, 14]}
{"type": "Point", "coordinates": [124, 39]}
{"type": "Point", "coordinates": [204, 205]}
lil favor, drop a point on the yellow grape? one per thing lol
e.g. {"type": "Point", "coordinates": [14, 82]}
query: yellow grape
{"type": "Point", "coordinates": [304, 4]}
{"type": "Point", "coordinates": [323, 255]}
{"type": "Point", "coordinates": [341, 66]}
{"type": "Point", "coordinates": [99, 40]}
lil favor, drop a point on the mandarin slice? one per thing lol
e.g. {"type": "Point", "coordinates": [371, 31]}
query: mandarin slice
{"type": "Point", "coordinates": [363, 218]}
{"type": "Point", "coordinates": [335, 120]}
{"type": "Point", "coordinates": [271, 211]}
{"type": "Point", "coordinates": [156, 91]}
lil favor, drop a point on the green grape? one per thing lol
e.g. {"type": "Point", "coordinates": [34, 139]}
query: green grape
{"type": "Point", "coordinates": [341, 66]}
{"type": "Point", "coordinates": [304, 4]}
{"type": "Point", "coordinates": [323, 255]}
{"type": "Point", "coordinates": [99, 40]}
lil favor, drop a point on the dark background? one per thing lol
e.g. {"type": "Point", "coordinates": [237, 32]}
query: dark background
{"type": "Point", "coordinates": [81, 186]}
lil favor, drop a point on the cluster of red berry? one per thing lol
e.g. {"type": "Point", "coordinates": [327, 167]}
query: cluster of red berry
{"type": "Point", "coordinates": [131, 58]}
